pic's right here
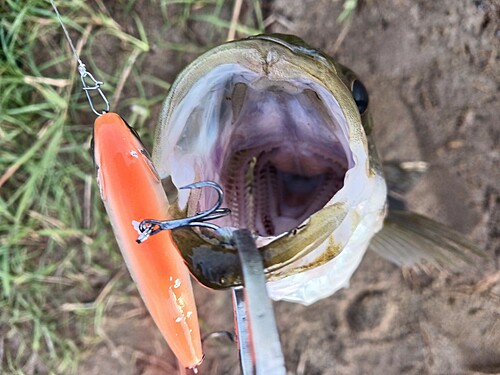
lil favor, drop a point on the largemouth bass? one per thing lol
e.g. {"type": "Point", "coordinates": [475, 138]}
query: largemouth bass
{"type": "Point", "coordinates": [286, 132]}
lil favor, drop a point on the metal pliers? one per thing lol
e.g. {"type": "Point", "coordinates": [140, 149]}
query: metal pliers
{"type": "Point", "coordinates": [256, 331]}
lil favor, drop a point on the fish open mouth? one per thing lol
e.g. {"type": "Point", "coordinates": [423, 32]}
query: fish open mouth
{"type": "Point", "coordinates": [279, 149]}
{"type": "Point", "coordinates": [284, 160]}
{"type": "Point", "coordinates": [274, 123]}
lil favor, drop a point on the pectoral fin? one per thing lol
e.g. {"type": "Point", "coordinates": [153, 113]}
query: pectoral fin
{"type": "Point", "coordinates": [408, 238]}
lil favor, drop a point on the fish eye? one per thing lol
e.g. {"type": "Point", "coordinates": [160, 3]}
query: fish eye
{"type": "Point", "coordinates": [360, 95]}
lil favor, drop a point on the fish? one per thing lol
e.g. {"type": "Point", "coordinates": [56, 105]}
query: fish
{"type": "Point", "coordinates": [286, 131]}
{"type": "Point", "coordinates": [131, 192]}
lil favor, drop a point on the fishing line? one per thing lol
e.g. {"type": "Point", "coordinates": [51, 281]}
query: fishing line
{"type": "Point", "coordinates": [84, 73]}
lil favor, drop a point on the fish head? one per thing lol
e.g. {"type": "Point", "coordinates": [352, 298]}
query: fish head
{"type": "Point", "coordinates": [284, 130]}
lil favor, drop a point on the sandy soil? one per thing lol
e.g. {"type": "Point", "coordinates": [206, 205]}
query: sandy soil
{"type": "Point", "coordinates": [432, 70]}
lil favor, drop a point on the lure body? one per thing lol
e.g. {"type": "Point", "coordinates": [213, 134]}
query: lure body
{"type": "Point", "coordinates": [131, 192]}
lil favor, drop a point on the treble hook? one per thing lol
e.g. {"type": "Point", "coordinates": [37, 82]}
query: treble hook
{"type": "Point", "coordinates": [150, 227]}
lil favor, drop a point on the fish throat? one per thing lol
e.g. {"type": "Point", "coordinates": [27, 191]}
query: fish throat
{"type": "Point", "coordinates": [284, 159]}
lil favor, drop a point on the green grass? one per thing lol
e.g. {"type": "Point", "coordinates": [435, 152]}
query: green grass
{"type": "Point", "coordinates": [45, 245]}
{"type": "Point", "coordinates": [57, 253]}
{"type": "Point", "coordinates": [348, 11]}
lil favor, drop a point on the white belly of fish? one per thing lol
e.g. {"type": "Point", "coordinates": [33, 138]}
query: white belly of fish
{"type": "Point", "coordinates": [315, 284]}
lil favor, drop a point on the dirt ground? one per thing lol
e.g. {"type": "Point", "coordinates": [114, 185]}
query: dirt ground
{"type": "Point", "coordinates": [431, 68]}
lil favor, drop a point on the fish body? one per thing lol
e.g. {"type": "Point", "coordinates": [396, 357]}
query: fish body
{"type": "Point", "coordinates": [286, 131]}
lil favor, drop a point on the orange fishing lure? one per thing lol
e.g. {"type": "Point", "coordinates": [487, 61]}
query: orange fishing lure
{"type": "Point", "coordinates": [131, 192]}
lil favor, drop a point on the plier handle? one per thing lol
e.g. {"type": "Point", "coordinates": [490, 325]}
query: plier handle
{"type": "Point", "coordinates": [256, 330]}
